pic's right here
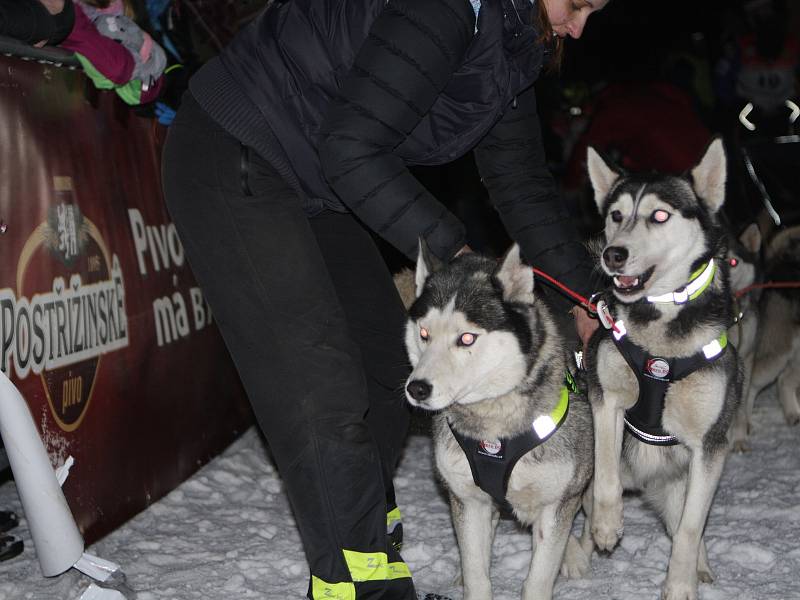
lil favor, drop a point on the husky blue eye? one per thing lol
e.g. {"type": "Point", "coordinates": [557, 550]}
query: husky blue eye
{"type": "Point", "coordinates": [423, 333]}
{"type": "Point", "coordinates": [467, 339]}
{"type": "Point", "coordinates": [659, 216]}
{"type": "Point", "coordinates": [616, 216]}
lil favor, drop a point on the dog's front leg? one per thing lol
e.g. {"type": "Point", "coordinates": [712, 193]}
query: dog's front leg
{"type": "Point", "coordinates": [474, 521]}
{"type": "Point", "coordinates": [704, 473]}
{"type": "Point", "coordinates": [608, 432]}
{"type": "Point", "coordinates": [552, 531]}
{"type": "Point", "coordinates": [744, 414]}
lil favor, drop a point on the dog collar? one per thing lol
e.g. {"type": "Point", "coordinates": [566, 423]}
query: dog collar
{"type": "Point", "coordinates": [698, 283]}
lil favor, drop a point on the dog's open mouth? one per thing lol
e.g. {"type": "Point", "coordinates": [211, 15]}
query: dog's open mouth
{"type": "Point", "coordinates": [629, 284]}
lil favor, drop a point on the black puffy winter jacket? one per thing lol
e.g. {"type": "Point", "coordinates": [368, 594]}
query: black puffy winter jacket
{"type": "Point", "coordinates": [344, 95]}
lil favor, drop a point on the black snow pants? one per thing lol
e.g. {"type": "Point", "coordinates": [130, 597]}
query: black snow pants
{"type": "Point", "coordinates": [311, 318]}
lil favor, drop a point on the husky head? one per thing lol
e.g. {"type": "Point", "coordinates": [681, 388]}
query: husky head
{"type": "Point", "coordinates": [658, 228]}
{"type": "Point", "coordinates": [743, 257]}
{"type": "Point", "coordinates": [468, 336]}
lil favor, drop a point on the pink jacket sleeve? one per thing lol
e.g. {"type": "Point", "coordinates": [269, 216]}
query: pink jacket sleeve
{"type": "Point", "coordinates": [107, 56]}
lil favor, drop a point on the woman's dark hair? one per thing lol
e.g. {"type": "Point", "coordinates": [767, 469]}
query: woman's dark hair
{"type": "Point", "coordinates": [547, 36]}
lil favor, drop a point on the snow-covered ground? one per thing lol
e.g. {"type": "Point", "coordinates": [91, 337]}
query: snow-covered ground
{"type": "Point", "coordinates": [227, 533]}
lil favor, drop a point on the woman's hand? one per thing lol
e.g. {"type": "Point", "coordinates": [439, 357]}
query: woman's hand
{"type": "Point", "coordinates": [584, 324]}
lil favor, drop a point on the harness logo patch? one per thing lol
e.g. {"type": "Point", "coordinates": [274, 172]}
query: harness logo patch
{"type": "Point", "coordinates": [491, 448]}
{"type": "Point", "coordinates": [657, 368]}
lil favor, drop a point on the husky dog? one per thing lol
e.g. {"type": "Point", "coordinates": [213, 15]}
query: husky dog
{"type": "Point", "coordinates": [664, 384]}
{"type": "Point", "coordinates": [744, 257]}
{"type": "Point", "coordinates": [778, 350]}
{"type": "Point", "coordinates": [492, 362]}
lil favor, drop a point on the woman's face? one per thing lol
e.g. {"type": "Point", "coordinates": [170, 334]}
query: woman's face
{"type": "Point", "coordinates": [568, 17]}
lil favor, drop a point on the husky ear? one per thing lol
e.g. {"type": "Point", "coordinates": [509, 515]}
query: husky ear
{"type": "Point", "coordinates": [708, 177]}
{"type": "Point", "coordinates": [601, 175]}
{"type": "Point", "coordinates": [427, 263]}
{"type": "Point", "coordinates": [751, 238]}
{"type": "Point", "coordinates": [516, 277]}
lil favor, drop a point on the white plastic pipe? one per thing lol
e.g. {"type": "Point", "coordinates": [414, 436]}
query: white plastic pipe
{"type": "Point", "coordinates": [55, 535]}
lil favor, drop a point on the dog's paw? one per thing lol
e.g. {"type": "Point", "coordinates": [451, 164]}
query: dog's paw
{"type": "Point", "coordinates": [792, 418]}
{"type": "Point", "coordinates": [705, 575]}
{"type": "Point", "coordinates": [576, 562]}
{"type": "Point", "coordinates": [478, 593]}
{"type": "Point", "coordinates": [679, 591]}
{"type": "Point", "coordinates": [741, 445]}
{"type": "Point", "coordinates": [607, 525]}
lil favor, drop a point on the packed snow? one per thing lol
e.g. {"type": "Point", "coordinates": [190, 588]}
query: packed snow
{"type": "Point", "coordinates": [227, 533]}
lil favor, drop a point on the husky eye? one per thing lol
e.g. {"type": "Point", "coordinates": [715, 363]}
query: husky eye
{"type": "Point", "coordinates": [467, 339]}
{"type": "Point", "coordinates": [660, 216]}
{"type": "Point", "coordinates": [424, 333]}
{"type": "Point", "coordinates": [616, 216]}
{"type": "Point", "coordinates": [733, 262]}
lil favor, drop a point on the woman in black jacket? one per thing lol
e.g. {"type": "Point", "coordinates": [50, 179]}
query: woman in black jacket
{"type": "Point", "coordinates": [291, 145]}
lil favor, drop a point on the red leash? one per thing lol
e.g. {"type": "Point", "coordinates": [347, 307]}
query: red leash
{"type": "Point", "coordinates": [767, 285]}
{"type": "Point", "coordinates": [585, 302]}
{"type": "Point", "coordinates": [590, 306]}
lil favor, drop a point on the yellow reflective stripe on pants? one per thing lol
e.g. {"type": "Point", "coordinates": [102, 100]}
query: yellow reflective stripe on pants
{"type": "Point", "coordinates": [374, 566]}
{"type": "Point", "coordinates": [392, 517]}
{"type": "Point", "coordinates": [322, 590]}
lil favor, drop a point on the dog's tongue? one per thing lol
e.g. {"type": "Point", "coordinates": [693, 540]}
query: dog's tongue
{"type": "Point", "coordinates": [626, 280]}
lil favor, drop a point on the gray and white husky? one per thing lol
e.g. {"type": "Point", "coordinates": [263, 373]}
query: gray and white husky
{"type": "Point", "coordinates": [492, 362]}
{"type": "Point", "coordinates": [670, 306]}
{"type": "Point", "coordinates": [744, 256]}
{"type": "Point", "coordinates": [778, 349]}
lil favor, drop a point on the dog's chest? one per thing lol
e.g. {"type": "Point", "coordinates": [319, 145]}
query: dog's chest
{"type": "Point", "coordinates": [533, 483]}
{"type": "Point", "coordinates": [617, 381]}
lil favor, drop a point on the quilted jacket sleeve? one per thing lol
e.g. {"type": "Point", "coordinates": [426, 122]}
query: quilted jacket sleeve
{"type": "Point", "coordinates": [512, 166]}
{"type": "Point", "coordinates": [408, 57]}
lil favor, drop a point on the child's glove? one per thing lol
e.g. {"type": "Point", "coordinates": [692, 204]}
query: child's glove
{"type": "Point", "coordinates": [164, 113]}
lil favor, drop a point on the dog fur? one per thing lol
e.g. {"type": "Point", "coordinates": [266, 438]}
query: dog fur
{"type": "Point", "coordinates": [747, 269]}
{"type": "Point", "coordinates": [663, 249]}
{"type": "Point", "coordinates": [778, 350]}
{"type": "Point", "coordinates": [494, 389]}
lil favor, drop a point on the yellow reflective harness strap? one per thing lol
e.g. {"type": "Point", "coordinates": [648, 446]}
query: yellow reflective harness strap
{"type": "Point", "coordinates": [374, 566]}
{"type": "Point", "coordinates": [392, 518]}
{"type": "Point", "coordinates": [561, 408]}
{"type": "Point", "coordinates": [322, 590]}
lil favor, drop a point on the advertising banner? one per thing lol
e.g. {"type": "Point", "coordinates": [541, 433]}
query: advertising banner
{"type": "Point", "coordinates": [102, 327]}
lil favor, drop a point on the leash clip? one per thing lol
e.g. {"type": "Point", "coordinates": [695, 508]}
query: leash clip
{"type": "Point", "coordinates": [604, 314]}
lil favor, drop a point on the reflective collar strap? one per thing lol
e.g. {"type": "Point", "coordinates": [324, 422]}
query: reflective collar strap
{"type": "Point", "coordinates": [698, 283]}
{"type": "Point", "coordinates": [546, 425]}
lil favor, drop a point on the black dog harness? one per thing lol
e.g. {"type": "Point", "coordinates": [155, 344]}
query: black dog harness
{"type": "Point", "coordinates": [654, 373]}
{"type": "Point", "coordinates": [491, 461]}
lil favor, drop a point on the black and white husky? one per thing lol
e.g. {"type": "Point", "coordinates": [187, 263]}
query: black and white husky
{"type": "Point", "coordinates": [511, 429]}
{"type": "Point", "coordinates": [664, 383]}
